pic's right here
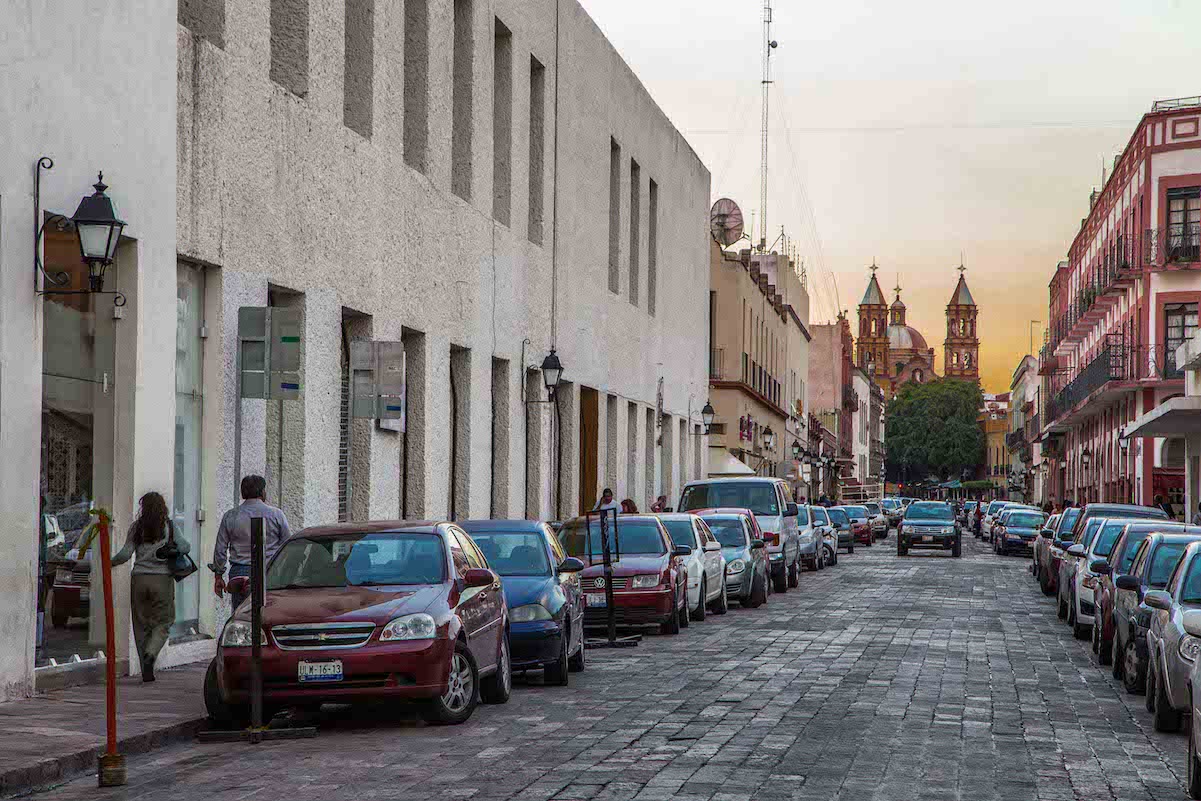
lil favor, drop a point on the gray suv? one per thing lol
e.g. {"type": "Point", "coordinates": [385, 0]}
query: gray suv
{"type": "Point", "coordinates": [928, 524]}
{"type": "Point", "coordinates": [1171, 650]}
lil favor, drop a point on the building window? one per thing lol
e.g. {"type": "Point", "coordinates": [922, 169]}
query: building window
{"type": "Point", "coordinates": [1181, 324]}
{"type": "Point", "coordinates": [290, 45]}
{"type": "Point", "coordinates": [537, 147]}
{"type": "Point", "coordinates": [614, 216]}
{"type": "Point", "coordinates": [461, 106]}
{"type": "Point", "coordinates": [1184, 224]}
{"type": "Point", "coordinates": [359, 64]}
{"type": "Point", "coordinates": [416, 82]}
{"type": "Point", "coordinates": [502, 124]}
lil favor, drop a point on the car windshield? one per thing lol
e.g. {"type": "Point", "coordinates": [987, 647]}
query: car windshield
{"type": "Point", "coordinates": [890, 504]}
{"type": "Point", "coordinates": [758, 496]}
{"type": "Point", "coordinates": [858, 512]}
{"type": "Point", "coordinates": [802, 516]}
{"type": "Point", "coordinates": [1068, 520]}
{"type": "Point", "coordinates": [728, 530]}
{"type": "Point", "coordinates": [1190, 591]}
{"type": "Point", "coordinates": [358, 560]}
{"type": "Point", "coordinates": [1163, 562]}
{"type": "Point", "coordinates": [838, 516]}
{"type": "Point", "coordinates": [872, 508]}
{"type": "Point", "coordinates": [1133, 539]}
{"type": "Point", "coordinates": [634, 537]}
{"type": "Point", "coordinates": [514, 553]}
{"type": "Point", "coordinates": [994, 507]}
{"type": "Point", "coordinates": [928, 511]}
{"type": "Point", "coordinates": [680, 532]}
{"type": "Point", "coordinates": [1108, 535]}
{"type": "Point", "coordinates": [1090, 530]}
{"type": "Point", "coordinates": [1025, 520]}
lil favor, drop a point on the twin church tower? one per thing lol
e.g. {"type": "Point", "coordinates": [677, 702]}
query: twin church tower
{"type": "Point", "coordinates": [893, 352]}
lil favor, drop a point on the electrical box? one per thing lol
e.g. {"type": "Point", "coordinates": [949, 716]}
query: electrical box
{"type": "Point", "coordinates": [377, 382]}
{"type": "Point", "coordinates": [269, 340]}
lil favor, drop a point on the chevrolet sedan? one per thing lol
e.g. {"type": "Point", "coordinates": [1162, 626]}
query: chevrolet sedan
{"type": "Point", "coordinates": [364, 612]}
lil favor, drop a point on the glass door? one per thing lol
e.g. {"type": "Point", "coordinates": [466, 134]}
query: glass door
{"type": "Point", "coordinates": [189, 346]}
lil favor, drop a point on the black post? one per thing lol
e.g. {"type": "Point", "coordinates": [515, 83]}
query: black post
{"type": "Point", "coordinates": [607, 558]}
{"type": "Point", "coordinates": [256, 628]}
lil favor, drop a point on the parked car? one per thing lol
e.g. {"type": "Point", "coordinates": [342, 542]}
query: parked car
{"type": "Point", "coordinates": [1192, 625]}
{"type": "Point", "coordinates": [1153, 563]}
{"type": "Point", "coordinates": [966, 513]}
{"type": "Point", "coordinates": [1107, 569]}
{"type": "Point", "coordinates": [747, 575]}
{"type": "Point", "coordinates": [1069, 563]}
{"type": "Point", "coordinates": [990, 512]}
{"type": "Point", "coordinates": [363, 612]}
{"type": "Point", "coordinates": [650, 580]}
{"type": "Point", "coordinates": [1115, 510]}
{"type": "Point", "coordinates": [777, 516]}
{"type": "Point", "coordinates": [825, 537]}
{"type": "Point", "coordinates": [1040, 543]}
{"type": "Point", "coordinates": [1017, 530]}
{"type": "Point", "coordinates": [840, 522]}
{"type": "Point", "coordinates": [541, 584]}
{"type": "Point", "coordinates": [705, 565]}
{"type": "Point", "coordinates": [894, 509]}
{"type": "Point", "coordinates": [878, 519]}
{"type": "Point", "coordinates": [1008, 506]}
{"type": "Point", "coordinates": [928, 524]}
{"type": "Point", "coordinates": [861, 524]}
{"type": "Point", "coordinates": [1171, 650]}
{"type": "Point", "coordinates": [1061, 537]}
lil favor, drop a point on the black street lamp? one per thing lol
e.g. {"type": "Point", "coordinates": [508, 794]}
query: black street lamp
{"type": "Point", "coordinates": [796, 450]}
{"type": "Point", "coordinates": [707, 415]}
{"type": "Point", "coordinates": [552, 372]}
{"type": "Point", "coordinates": [769, 439]}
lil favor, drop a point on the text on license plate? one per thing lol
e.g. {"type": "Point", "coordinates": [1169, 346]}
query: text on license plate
{"type": "Point", "coordinates": [320, 671]}
{"type": "Point", "coordinates": [596, 599]}
{"type": "Point", "coordinates": [927, 538]}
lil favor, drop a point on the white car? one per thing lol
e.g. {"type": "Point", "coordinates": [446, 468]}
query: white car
{"type": "Point", "coordinates": [879, 519]}
{"type": "Point", "coordinates": [706, 565]}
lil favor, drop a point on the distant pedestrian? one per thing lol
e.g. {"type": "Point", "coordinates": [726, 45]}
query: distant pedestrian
{"type": "Point", "coordinates": [660, 504]}
{"type": "Point", "coordinates": [628, 507]}
{"type": "Point", "coordinates": [606, 501]}
{"type": "Point", "coordinates": [233, 536]}
{"type": "Point", "coordinates": [1197, 516]}
{"type": "Point", "coordinates": [151, 585]}
{"type": "Point", "coordinates": [1163, 503]}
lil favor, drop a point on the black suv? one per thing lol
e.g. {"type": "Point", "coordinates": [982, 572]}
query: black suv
{"type": "Point", "coordinates": [928, 524]}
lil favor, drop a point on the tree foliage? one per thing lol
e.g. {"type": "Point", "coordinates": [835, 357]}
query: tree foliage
{"type": "Point", "coordinates": [931, 429]}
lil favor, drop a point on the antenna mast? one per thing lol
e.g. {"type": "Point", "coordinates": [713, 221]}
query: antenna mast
{"type": "Point", "coordinates": [768, 46]}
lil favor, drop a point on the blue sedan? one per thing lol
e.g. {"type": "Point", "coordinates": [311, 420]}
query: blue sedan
{"type": "Point", "coordinates": [542, 591]}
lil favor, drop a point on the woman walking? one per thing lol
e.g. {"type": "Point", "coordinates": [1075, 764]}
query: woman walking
{"type": "Point", "coordinates": [152, 587]}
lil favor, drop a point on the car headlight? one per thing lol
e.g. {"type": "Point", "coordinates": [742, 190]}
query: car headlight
{"type": "Point", "coordinates": [737, 566]}
{"type": "Point", "coordinates": [948, 529]}
{"type": "Point", "coordinates": [1190, 646]}
{"type": "Point", "coordinates": [237, 635]}
{"type": "Point", "coordinates": [645, 580]}
{"type": "Point", "coordinates": [528, 613]}
{"type": "Point", "coordinates": [409, 627]}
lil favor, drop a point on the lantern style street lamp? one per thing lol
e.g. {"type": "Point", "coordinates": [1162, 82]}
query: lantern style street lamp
{"type": "Point", "coordinates": [769, 439]}
{"type": "Point", "coordinates": [552, 372]}
{"type": "Point", "coordinates": [796, 450]}
{"type": "Point", "coordinates": [707, 415]}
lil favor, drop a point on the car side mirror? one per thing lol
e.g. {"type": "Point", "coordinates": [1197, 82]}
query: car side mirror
{"type": "Point", "coordinates": [712, 546]}
{"type": "Point", "coordinates": [1100, 567]}
{"type": "Point", "coordinates": [1048, 533]}
{"type": "Point", "coordinates": [571, 565]}
{"type": "Point", "coordinates": [758, 545]}
{"type": "Point", "coordinates": [681, 550]}
{"type": "Point", "coordinates": [1127, 582]}
{"type": "Point", "coordinates": [478, 577]}
{"type": "Point", "coordinates": [1192, 622]}
{"type": "Point", "coordinates": [791, 510]}
{"type": "Point", "coordinates": [1158, 599]}
{"type": "Point", "coordinates": [1076, 550]}
{"type": "Point", "coordinates": [1064, 542]}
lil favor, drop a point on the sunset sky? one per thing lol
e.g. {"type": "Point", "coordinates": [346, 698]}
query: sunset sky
{"type": "Point", "coordinates": [909, 132]}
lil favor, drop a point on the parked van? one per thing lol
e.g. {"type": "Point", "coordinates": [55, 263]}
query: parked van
{"type": "Point", "coordinates": [776, 515]}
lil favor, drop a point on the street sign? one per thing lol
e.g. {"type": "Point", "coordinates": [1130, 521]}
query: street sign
{"type": "Point", "coordinates": [269, 340]}
{"type": "Point", "coordinates": [377, 379]}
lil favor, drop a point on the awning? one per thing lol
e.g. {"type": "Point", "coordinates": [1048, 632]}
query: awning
{"type": "Point", "coordinates": [722, 463]}
{"type": "Point", "coordinates": [1172, 418]}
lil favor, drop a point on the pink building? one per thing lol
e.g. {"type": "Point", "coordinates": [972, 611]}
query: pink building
{"type": "Point", "coordinates": [1125, 298]}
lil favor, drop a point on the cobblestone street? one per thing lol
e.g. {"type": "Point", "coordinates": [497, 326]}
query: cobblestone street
{"type": "Point", "coordinates": [889, 678]}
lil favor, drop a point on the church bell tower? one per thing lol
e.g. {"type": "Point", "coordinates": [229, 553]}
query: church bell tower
{"type": "Point", "coordinates": [961, 350]}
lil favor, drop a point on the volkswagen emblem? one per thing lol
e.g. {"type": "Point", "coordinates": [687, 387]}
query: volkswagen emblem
{"type": "Point", "coordinates": [600, 582]}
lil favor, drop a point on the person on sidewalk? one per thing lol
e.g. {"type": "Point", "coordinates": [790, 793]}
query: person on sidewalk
{"type": "Point", "coordinates": [151, 585]}
{"type": "Point", "coordinates": [628, 507]}
{"type": "Point", "coordinates": [660, 504]}
{"type": "Point", "coordinates": [233, 536]}
{"type": "Point", "coordinates": [1197, 516]}
{"type": "Point", "coordinates": [607, 501]}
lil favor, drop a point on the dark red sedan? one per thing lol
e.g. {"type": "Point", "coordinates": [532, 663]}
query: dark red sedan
{"type": "Point", "coordinates": [367, 612]}
{"type": "Point", "coordinates": [650, 583]}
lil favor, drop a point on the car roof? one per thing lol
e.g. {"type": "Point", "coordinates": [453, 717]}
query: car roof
{"type": "Point", "coordinates": [1097, 508]}
{"type": "Point", "coordinates": [482, 526]}
{"type": "Point", "coordinates": [723, 510]}
{"type": "Point", "coordinates": [639, 517]}
{"type": "Point", "coordinates": [374, 527]}
{"type": "Point", "coordinates": [676, 515]}
{"type": "Point", "coordinates": [1178, 536]}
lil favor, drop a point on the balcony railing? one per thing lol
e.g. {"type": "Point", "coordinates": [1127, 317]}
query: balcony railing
{"type": "Point", "coordinates": [1034, 427]}
{"type": "Point", "coordinates": [717, 358]}
{"type": "Point", "coordinates": [850, 400]}
{"type": "Point", "coordinates": [1173, 245]}
{"type": "Point", "coordinates": [1015, 439]}
{"type": "Point", "coordinates": [1108, 365]}
{"type": "Point", "coordinates": [1117, 267]}
{"type": "Point", "coordinates": [1115, 362]}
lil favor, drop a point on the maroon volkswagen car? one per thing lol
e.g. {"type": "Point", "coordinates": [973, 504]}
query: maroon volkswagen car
{"type": "Point", "coordinates": [650, 582]}
{"type": "Point", "coordinates": [371, 612]}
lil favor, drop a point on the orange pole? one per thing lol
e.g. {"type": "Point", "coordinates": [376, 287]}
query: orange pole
{"type": "Point", "coordinates": [110, 637]}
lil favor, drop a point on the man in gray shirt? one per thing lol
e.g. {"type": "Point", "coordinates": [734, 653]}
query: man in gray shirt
{"type": "Point", "coordinates": [233, 535]}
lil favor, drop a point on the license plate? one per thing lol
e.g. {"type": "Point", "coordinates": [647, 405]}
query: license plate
{"type": "Point", "coordinates": [596, 599]}
{"type": "Point", "coordinates": [927, 538]}
{"type": "Point", "coordinates": [320, 671]}
{"type": "Point", "coordinates": [63, 577]}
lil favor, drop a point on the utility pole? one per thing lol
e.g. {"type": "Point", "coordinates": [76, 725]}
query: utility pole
{"type": "Point", "coordinates": [768, 46]}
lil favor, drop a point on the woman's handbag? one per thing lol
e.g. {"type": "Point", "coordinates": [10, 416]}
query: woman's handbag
{"type": "Point", "coordinates": [179, 565]}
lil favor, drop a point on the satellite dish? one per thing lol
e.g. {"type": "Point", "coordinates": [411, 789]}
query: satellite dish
{"type": "Point", "coordinates": [725, 222]}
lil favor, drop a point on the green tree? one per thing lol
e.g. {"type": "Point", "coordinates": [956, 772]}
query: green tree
{"type": "Point", "coordinates": [931, 429]}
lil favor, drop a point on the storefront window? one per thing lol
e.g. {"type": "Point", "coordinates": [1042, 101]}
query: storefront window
{"type": "Point", "coordinates": [188, 433]}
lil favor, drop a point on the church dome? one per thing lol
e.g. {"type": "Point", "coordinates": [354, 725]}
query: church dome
{"type": "Point", "coordinates": [904, 337]}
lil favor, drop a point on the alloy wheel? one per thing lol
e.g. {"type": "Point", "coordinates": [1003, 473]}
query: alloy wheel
{"type": "Point", "coordinates": [460, 687]}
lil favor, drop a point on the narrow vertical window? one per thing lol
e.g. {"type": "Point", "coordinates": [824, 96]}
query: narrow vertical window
{"type": "Point", "coordinates": [614, 216]}
{"type": "Point", "coordinates": [652, 247]}
{"type": "Point", "coordinates": [204, 18]}
{"type": "Point", "coordinates": [502, 124]}
{"type": "Point", "coordinates": [459, 426]}
{"type": "Point", "coordinates": [537, 147]}
{"type": "Point", "coordinates": [462, 129]}
{"type": "Point", "coordinates": [635, 227]}
{"type": "Point", "coordinates": [359, 66]}
{"type": "Point", "coordinates": [290, 45]}
{"type": "Point", "coordinates": [416, 89]}
{"type": "Point", "coordinates": [500, 438]}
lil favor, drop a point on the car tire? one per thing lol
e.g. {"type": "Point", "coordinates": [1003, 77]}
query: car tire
{"type": "Point", "coordinates": [780, 580]}
{"type": "Point", "coordinates": [851, 547]}
{"type": "Point", "coordinates": [1164, 717]}
{"type": "Point", "coordinates": [698, 614]}
{"type": "Point", "coordinates": [758, 595]}
{"type": "Point", "coordinates": [722, 604]}
{"type": "Point", "coordinates": [901, 549]}
{"type": "Point", "coordinates": [1135, 681]}
{"type": "Point", "coordinates": [558, 673]}
{"type": "Point", "coordinates": [671, 624]}
{"type": "Point", "coordinates": [1081, 631]}
{"type": "Point", "coordinates": [1116, 657]}
{"type": "Point", "coordinates": [1151, 679]}
{"type": "Point", "coordinates": [578, 661]}
{"type": "Point", "coordinates": [684, 614]}
{"type": "Point", "coordinates": [460, 700]}
{"type": "Point", "coordinates": [496, 688]}
{"type": "Point", "coordinates": [1194, 762]}
{"type": "Point", "coordinates": [1061, 607]}
{"type": "Point", "coordinates": [1045, 584]}
{"type": "Point", "coordinates": [871, 539]}
{"type": "Point", "coordinates": [794, 575]}
{"type": "Point", "coordinates": [233, 716]}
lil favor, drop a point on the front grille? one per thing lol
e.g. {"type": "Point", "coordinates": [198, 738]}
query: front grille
{"type": "Point", "coordinates": [321, 636]}
{"type": "Point", "coordinates": [590, 584]}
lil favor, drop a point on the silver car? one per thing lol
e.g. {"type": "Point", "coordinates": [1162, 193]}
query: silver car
{"type": "Point", "coordinates": [1192, 626]}
{"type": "Point", "coordinates": [747, 579]}
{"type": "Point", "coordinates": [1171, 649]}
{"type": "Point", "coordinates": [879, 519]}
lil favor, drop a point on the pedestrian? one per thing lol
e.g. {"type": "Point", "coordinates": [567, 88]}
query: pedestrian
{"type": "Point", "coordinates": [1197, 516]}
{"type": "Point", "coordinates": [628, 507]}
{"type": "Point", "coordinates": [660, 504]}
{"type": "Point", "coordinates": [233, 536]}
{"type": "Point", "coordinates": [606, 501]}
{"type": "Point", "coordinates": [151, 585]}
{"type": "Point", "coordinates": [1163, 503]}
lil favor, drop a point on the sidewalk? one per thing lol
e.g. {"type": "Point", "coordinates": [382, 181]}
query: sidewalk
{"type": "Point", "coordinates": [56, 735]}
